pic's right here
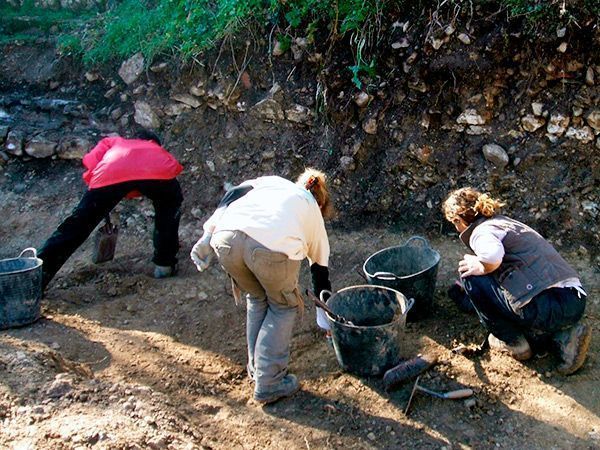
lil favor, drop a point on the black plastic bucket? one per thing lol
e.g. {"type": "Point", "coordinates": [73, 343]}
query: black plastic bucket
{"type": "Point", "coordinates": [371, 344]}
{"type": "Point", "coordinates": [20, 290]}
{"type": "Point", "coordinates": [411, 269]}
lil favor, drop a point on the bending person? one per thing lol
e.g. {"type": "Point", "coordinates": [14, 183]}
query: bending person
{"type": "Point", "coordinates": [261, 232]}
{"type": "Point", "coordinates": [522, 290]}
{"type": "Point", "coordinates": [117, 168]}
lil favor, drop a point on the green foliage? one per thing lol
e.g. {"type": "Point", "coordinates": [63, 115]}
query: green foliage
{"type": "Point", "coordinates": [539, 12]}
{"type": "Point", "coordinates": [28, 22]}
{"type": "Point", "coordinates": [186, 28]}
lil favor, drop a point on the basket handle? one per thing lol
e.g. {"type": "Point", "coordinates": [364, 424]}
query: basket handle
{"type": "Point", "coordinates": [29, 249]}
{"type": "Point", "coordinates": [388, 276]}
{"type": "Point", "coordinates": [424, 242]}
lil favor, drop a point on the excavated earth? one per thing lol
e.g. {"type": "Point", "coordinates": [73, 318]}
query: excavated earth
{"type": "Point", "coordinates": [120, 360]}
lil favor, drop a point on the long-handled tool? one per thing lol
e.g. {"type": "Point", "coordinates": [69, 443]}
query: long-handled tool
{"type": "Point", "coordinates": [321, 304]}
{"type": "Point", "coordinates": [459, 393]}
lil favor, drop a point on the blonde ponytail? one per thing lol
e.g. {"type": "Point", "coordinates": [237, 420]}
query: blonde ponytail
{"type": "Point", "coordinates": [487, 206]}
{"type": "Point", "coordinates": [315, 182]}
{"type": "Point", "coordinates": [469, 204]}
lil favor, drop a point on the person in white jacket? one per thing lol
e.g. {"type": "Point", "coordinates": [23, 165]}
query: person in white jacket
{"type": "Point", "coordinates": [261, 232]}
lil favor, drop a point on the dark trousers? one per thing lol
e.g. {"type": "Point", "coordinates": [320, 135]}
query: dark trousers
{"type": "Point", "coordinates": [95, 204]}
{"type": "Point", "coordinates": [550, 311]}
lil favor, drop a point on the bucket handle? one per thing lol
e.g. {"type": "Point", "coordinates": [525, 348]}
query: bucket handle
{"type": "Point", "coordinates": [424, 242]}
{"type": "Point", "coordinates": [387, 276]}
{"type": "Point", "coordinates": [29, 249]}
{"type": "Point", "coordinates": [323, 292]}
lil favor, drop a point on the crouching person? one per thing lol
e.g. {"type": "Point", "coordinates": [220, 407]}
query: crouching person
{"type": "Point", "coordinates": [261, 232]}
{"type": "Point", "coordinates": [522, 290]}
{"type": "Point", "coordinates": [118, 168]}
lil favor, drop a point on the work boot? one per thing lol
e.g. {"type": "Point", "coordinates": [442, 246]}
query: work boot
{"type": "Point", "coordinates": [573, 345]}
{"type": "Point", "coordinates": [518, 349]}
{"type": "Point", "coordinates": [287, 387]}
{"type": "Point", "coordinates": [165, 271]}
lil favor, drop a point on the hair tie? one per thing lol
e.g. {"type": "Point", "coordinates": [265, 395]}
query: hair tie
{"type": "Point", "coordinates": [312, 181]}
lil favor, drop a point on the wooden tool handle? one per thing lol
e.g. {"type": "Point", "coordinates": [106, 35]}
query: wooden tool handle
{"type": "Point", "coordinates": [459, 393]}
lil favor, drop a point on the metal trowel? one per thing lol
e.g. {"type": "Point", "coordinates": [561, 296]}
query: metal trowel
{"type": "Point", "coordinates": [453, 395]}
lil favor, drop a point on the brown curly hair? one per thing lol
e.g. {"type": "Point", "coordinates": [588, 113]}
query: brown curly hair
{"type": "Point", "coordinates": [315, 182]}
{"type": "Point", "coordinates": [469, 204]}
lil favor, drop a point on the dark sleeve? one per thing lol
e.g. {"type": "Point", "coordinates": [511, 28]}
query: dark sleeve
{"type": "Point", "coordinates": [233, 194]}
{"type": "Point", "coordinates": [320, 279]}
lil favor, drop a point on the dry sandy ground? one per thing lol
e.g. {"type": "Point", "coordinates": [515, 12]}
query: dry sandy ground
{"type": "Point", "coordinates": [120, 360]}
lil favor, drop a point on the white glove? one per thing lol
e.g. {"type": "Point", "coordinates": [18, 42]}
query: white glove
{"type": "Point", "coordinates": [202, 253]}
{"type": "Point", "coordinates": [322, 321]}
{"type": "Point", "coordinates": [470, 265]}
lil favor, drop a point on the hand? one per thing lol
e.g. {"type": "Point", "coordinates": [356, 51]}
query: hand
{"type": "Point", "coordinates": [470, 265]}
{"type": "Point", "coordinates": [202, 252]}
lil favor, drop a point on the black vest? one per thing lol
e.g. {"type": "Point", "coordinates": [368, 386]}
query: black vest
{"type": "Point", "coordinates": [530, 264]}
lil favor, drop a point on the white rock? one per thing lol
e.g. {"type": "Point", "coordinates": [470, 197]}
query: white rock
{"type": "Point", "coordinates": [278, 48]}
{"type": "Point", "coordinates": [186, 99]}
{"type": "Point", "coordinates": [437, 43]}
{"type": "Point", "coordinates": [269, 110]}
{"type": "Point", "coordinates": [14, 143]}
{"type": "Point", "coordinates": [362, 99]}
{"type": "Point", "coordinates": [174, 109]}
{"type": "Point", "coordinates": [593, 119]}
{"type": "Point", "coordinates": [59, 387]}
{"type": "Point", "coordinates": [145, 115]}
{"type": "Point", "coordinates": [132, 68]}
{"type": "Point", "coordinates": [402, 43]}
{"type": "Point", "coordinates": [370, 126]}
{"type": "Point", "coordinates": [557, 124]}
{"type": "Point", "coordinates": [589, 76]}
{"type": "Point", "coordinates": [347, 163]}
{"type": "Point", "coordinates": [583, 134]}
{"type": "Point", "coordinates": [464, 38]}
{"type": "Point", "coordinates": [160, 67]}
{"type": "Point", "coordinates": [73, 147]}
{"type": "Point", "coordinates": [537, 108]}
{"type": "Point", "coordinates": [449, 29]}
{"type": "Point", "coordinates": [560, 32]}
{"type": "Point", "coordinates": [40, 148]}
{"type": "Point", "coordinates": [531, 123]}
{"type": "Point", "coordinates": [211, 166]}
{"type": "Point", "coordinates": [91, 76]}
{"type": "Point", "coordinates": [198, 91]}
{"type": "Point", "coordinates": [496, 155]}
{"type": "Point", "coordinates": [470, 117]}
{"type": "Point", "coordinates": [299, 114]}
{"type": "Point", "coordinates": [477, 130]}
{"type": "Point", "coordinates": [562, 47]}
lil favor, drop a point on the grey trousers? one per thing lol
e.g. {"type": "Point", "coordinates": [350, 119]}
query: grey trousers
{"type": "Point", "coordinates": [270, 280]}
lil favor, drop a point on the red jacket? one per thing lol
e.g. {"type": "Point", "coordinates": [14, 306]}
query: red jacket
{"type": "Point", "coordinates": [116, 160]}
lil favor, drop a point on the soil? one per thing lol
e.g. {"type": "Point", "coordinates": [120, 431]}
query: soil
{"type": "Point", "coordinates": [121, 360]}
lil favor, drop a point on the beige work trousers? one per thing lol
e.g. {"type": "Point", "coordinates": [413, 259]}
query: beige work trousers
{"type": "Point", "coordinates": [270, 280]}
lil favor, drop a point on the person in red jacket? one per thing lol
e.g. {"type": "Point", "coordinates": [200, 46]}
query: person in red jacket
{"type": "Point", "coordinates": [117, 168]}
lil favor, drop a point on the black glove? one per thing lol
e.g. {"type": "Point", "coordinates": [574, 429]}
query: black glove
{"type": "Point", "coordinates": [320, 280]}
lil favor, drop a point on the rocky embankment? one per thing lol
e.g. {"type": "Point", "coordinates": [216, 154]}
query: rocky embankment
{"type": "Point", "coordinates": [482, 105]}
